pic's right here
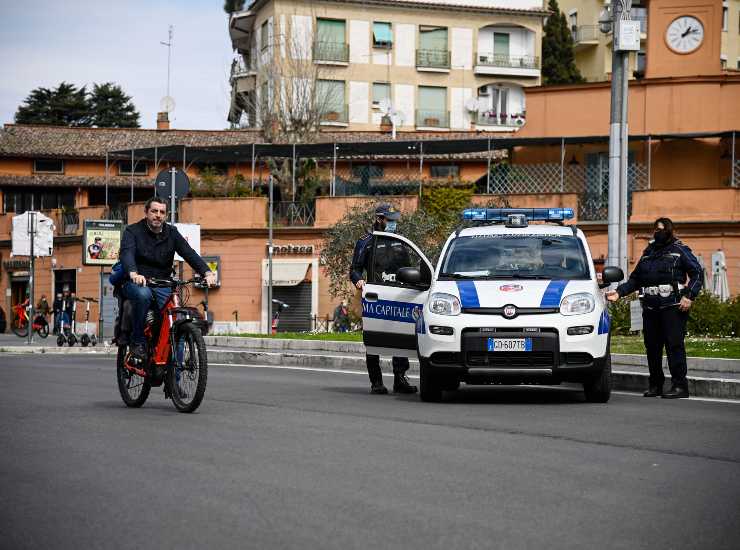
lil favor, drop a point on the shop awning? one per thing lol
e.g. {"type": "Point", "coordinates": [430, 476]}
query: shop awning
{"type": "Point", "coordinates": [285, 273]}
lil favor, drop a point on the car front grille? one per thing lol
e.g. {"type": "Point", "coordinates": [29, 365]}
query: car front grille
{"type": "Point", "coordinates": [509, 359]}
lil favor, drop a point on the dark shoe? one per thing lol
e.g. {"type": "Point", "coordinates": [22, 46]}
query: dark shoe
{"type": "Point", "coordinates": [377, 388]}
{"type": "Point", "coordinates": [676, 393]}
{"type": "Point", "coordinates": [653, 391]}
{"type": "Point", "coordinates": [401, 384]}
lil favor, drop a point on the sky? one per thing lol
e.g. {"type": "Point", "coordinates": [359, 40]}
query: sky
{"type": "Point", "coordinates": [43, 43]}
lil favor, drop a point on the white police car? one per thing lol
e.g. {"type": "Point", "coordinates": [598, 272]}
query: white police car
{"type": "Point", "coordinates": [509, 303]}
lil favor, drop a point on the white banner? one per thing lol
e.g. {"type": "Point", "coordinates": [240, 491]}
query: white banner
{"type": "Point", "coordinates": [43, 242]}
{"type": "Point", "coordinates": [191, 233]}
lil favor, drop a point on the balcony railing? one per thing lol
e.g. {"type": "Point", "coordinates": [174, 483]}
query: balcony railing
{"type": "Point", "coordinates": [508, 61]}
{"type": "Point", "coordinates": [433, 59]}
{"type": "Point", "coordinates": [585, 33]}
{"type": "Point", "coordinates": [432, 119]}
{"type": "Point", "coordinates": [240, 69]}
{"type": "Point", "coordinates": [70, 222]}
{"type": "Point", "coordinates": [335, 114]}
{"type": "Point", "coordinates": [295, 214]}
{"type": "Point", "coordinates": [491, 118]}
{"type": "Point", "coordinates": [119, 212]}
{"type": "Point", "coordinates": [331, 52]}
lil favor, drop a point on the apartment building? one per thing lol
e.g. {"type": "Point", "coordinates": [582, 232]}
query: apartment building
{"type": "Point", "coordinates": [432, 65]}
{"type": "Point", "coordinates": [719, 20]}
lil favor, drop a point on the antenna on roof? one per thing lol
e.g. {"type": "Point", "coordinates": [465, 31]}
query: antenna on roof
{"type": "Point", "coordinates": [167, 103]}
{"type": "Point", "coordinates": [396, 117]}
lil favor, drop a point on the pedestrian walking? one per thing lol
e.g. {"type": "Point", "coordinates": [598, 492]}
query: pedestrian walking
{"type": "Point", "coordinates": [668, 278]}
{"type": "Point", "coordinates": [386, 219]}
{"type": "Point", "coordinates": [341, 317]}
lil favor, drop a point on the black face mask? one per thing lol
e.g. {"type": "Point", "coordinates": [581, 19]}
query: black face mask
{"type": "Point", "coordinates": [662, 236]}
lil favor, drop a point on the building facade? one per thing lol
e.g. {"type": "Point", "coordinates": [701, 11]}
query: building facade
{"type": "Point", "coordinates": [364, 65]}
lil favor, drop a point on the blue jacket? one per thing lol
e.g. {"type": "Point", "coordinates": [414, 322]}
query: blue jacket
{"type": "Point", "coordinates": [673, 263]}
{"type": "Point", "coordinates": [361, 258]}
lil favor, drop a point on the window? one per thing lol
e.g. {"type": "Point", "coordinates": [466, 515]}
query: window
{"type": "Point", "coordinates": [330, 100]}
{"type": "Point", "coordinates": [382, 35]}
{"type": "Point", "coordinates": [264, 36]}
{"type": "Point", "coordinates": [20, 200]}
{"type": "Point", "coordinates": [501, 44]}
{"type": "Point", "coordinates": [573, 20]}
{"type": "Point", "coordinates": [432, 107]}
{"type": "Point", "coordinates": [640, 69]}
{"type": "Point", "coordinates": [500, 100]}
{"type": "Point", "coordinates": [724, 18]}
{"type": "Point", "coordinates": [432, 38]}
{"type": "Point", "coordinates": [445, 170]}
{"type": "Point", "coordinates": [389, 256]}
{"type": "Point", "coordinates": [368, 171]}
{"type": "Point", "coordinates": [140, 168]}
{"type": "Point", "coordinates": [381, 91]}
{"type": "Point", "coordinates": [330, 30]}
{"type": "Point", "coordinates": [215, 168]}
{"type": "Point", "coordinates": [48, 166]}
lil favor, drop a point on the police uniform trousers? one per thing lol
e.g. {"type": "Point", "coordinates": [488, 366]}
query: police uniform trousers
{"type": "Point", "coordinates": [400, 366]}
{"type": "Point", "coordinates": [665, 328]}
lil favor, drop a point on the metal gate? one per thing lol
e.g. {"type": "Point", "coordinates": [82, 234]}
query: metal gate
{"type": "Point", "coordinates": [109, 307]}
{"type": "Point", "coordinates": [297, 318]}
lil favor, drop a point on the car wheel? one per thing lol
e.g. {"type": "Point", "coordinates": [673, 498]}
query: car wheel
{"type": "Point", "coordinates": [599, 389]}
{"type": "Point", "coordinates": [430, 389]}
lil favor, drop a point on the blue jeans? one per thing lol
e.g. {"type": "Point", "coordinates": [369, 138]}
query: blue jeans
{"type": "Point", "coordinates": [141, 298]}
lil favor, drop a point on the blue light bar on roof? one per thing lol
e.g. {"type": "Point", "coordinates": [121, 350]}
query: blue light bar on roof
{"type": "Point", "coordinates": [532, 214]}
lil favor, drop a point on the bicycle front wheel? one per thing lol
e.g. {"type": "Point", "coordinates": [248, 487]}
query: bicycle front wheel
{"type": "Point", "coordinates": [43, 330]}
{"type": "Point", "coordinates": [19, 326]}
{"type": "Point", "coordinates": [134, 389]}
{"type": "Point", "coordinates": [188, 375]}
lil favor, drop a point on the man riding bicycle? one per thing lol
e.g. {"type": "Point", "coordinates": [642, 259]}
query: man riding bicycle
{"type": "Point", "coordinates": [147, 251]}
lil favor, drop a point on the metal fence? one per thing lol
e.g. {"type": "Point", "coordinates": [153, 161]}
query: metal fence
{"type": "Point", "coordinates": [295, 214]}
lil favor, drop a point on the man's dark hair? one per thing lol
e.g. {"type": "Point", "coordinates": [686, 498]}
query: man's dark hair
{"type": "Point", "coordinates": [149, 202]}
{"type": "Point", "coordinates": [667, 224]}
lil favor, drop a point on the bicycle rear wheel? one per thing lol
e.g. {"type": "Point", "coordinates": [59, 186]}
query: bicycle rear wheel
{"type": "Point", "coordinates": [134, 388]}
{"type": "Point", "coordinates": [187, 378]}
{"type": "Point", "coordinates": [19, 326]}
{"type": "Point", "coordinates": [43, 330]}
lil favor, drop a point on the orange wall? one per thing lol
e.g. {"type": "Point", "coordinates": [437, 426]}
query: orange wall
{"type": "Point", "coordinates": [700, 206]}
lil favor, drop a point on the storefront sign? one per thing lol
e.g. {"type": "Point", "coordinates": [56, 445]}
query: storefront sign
{"type": "Point", "coordinates": [214, 264]}
{"type": "Point", "coordinates": [101, 242]}
{"type": "Point", "coordinates": [13, 265]}
{"type": "Point", "coordinates": [291, 249]}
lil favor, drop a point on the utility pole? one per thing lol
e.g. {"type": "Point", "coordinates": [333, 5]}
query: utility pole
{"type": "Point", "coordinates": [626, 36]}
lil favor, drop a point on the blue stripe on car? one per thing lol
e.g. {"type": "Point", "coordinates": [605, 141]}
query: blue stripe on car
{"type": "Point", "coordinates": [605, 322]}
{"type": "Point", "coordinates": [553, 294]}
{"type": "Point", "coordinates": [468, 294]}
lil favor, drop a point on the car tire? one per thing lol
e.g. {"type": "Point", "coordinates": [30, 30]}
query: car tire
{"type": "Point", "coordinates": [430, 389]}
{"type": "Point", "coordinates": [599, 389]}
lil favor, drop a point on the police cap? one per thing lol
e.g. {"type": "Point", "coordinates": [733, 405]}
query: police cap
{"type": "Point", "coordinates": [388, 211]}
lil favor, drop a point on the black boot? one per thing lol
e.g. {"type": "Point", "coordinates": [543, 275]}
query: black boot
{"type": "Point", "coordinates": [676, 392]}
{"type": "Point", "coordinates": [653, 391]}
{"type": "Point", "coordinates": [376, 379]}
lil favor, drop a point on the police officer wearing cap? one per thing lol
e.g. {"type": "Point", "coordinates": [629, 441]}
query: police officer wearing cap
{"type": "Point", "coordinates": [668, 278]}
{"type": "Point", "coordinates": [386, 217]}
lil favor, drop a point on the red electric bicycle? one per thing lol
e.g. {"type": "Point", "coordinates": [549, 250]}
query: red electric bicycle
{"type": "Point", "coordinates": [20, 322]}
{"type": "Point", "coordinates": [176, 352]}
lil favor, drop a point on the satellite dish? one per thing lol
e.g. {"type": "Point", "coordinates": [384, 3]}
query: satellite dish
{"type": "Point", "coordinates": [397, 117]}
{"type": "Point", "coordinates": [167, 104]}
{"type": "Point", "coordinates": [472, 104]}
{"type": "Point", "coordinates": [385, 105]}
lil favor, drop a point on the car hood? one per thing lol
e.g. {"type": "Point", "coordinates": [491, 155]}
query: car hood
{"type": "Point", "coordinates": [521, 293]}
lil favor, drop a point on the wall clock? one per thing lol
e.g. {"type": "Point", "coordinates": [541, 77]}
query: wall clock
{"type": "Point", "coordinates": [685, 34]}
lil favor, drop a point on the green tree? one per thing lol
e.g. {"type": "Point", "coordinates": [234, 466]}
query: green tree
{"type": "Point", "coordinates": [65, 105]}
{"type": "Point", "coordinates": [110, 107]}
{"type": "Point", "coordinates": [558, 59]}
{"type": "Point", "coordinates": [230, 6]}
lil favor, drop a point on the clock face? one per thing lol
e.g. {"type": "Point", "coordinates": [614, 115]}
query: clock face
{"type": "Point", "coordinates": [685, 34]}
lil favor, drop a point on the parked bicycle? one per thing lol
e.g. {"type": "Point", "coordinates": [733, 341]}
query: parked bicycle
{"type": "Point", "coordinates": [20, 321]}
{"type": "Point", "coordinates": [176, 352]}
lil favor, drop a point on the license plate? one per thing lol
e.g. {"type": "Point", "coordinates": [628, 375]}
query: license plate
{"type": "Point", "coordinates": [509, 344]}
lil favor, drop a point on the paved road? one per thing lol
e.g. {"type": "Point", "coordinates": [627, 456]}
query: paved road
{"type": "Point", "coordinates": [299, 459]}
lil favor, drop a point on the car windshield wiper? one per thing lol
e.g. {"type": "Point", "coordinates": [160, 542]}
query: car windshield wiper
{"type": "Point", "coordinates": [461, 276]}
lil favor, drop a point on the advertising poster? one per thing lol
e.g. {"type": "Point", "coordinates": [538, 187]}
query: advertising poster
{"type": "Point", "coordinates": [101, 242]}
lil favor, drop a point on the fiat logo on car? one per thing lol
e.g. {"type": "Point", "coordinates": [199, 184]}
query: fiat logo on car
{"type": "Point", "coordinates": [509, 311]}
{"type": "Point", "coordinates": [511, 288]}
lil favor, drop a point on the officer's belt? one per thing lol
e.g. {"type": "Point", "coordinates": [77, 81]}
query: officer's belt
{"type": "Point", "coordinates": [661, 290]}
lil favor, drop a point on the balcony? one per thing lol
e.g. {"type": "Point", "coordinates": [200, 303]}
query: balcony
{"type": "Point", "coordinates": [500, 121]}
{"type": "Point", "coordinates": [511, 65]}
{"type": "Point", "coordinates": [432, 119]}
{"type": "Point", "coordinates": [331, 53]}
{"type": "Point", "coordinates": [433, 60]}
{"type": "Point", "coordinates": [585, 36]}
{"type": "Point", "coordinates": [295, 214]}
{"type": "Point", "coordinates": [335, 115]}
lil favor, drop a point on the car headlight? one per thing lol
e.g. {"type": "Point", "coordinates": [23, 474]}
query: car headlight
{"type": "Point", "coordinates": [444, 304]}
{"type": "Point", "coordinates": [577, 304]}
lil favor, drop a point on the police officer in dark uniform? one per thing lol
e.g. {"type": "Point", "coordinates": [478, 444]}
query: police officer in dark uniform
{"type": "Point", "coordinates": [386, 217]}
{"type": "Point", "coordinates": [668, 278]}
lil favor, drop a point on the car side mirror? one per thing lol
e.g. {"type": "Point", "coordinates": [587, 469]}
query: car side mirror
{"type": "Point", "coordinates": [611, 275]}
{"type": "Point", "coordinates": [409, 276]}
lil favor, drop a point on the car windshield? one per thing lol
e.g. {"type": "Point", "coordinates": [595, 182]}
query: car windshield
{"type": "Point", "coordinates": [507, 256]}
